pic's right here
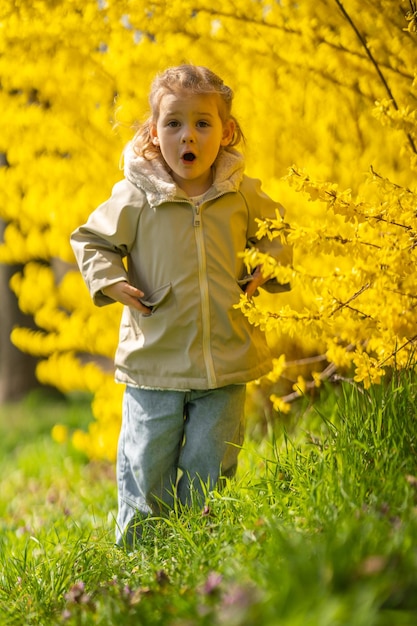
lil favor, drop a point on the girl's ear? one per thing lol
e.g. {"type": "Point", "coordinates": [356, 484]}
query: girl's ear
{"type": "Point", "coordinates": [154, 134]}
{"type": "Point", "coordinates": [228, 132]}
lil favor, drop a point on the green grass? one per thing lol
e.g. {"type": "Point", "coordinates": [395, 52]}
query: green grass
{"type": "Point", "coordinates": [318, 529]}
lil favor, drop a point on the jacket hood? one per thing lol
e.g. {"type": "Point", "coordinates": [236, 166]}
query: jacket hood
{"type": "Point", "coordinates": [153, 177]}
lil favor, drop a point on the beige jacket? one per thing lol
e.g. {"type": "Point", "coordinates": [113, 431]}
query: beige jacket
{"type": "Point", "coordinates": [184, 257]}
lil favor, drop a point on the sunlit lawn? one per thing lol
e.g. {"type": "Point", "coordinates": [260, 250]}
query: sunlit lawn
{"type": "Point", "coordinates": [320, 527]}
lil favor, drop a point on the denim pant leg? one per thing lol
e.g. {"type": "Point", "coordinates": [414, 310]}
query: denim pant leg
{"type": "Point", "coordinates": [214, 431]}
{"type": "Point", "coordinates": [147, 460]}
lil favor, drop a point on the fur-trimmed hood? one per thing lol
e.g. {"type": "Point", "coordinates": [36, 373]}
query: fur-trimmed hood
{"type": "Point", "coordinates": [153, 177]}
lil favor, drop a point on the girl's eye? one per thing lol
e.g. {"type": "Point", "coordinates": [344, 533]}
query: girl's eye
{"type": "Point", "coordinates": [173, 124]}
{"type": "Point", "coordinates": [203, 124]}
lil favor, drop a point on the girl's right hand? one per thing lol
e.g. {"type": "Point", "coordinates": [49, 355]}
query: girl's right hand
{"type": "Point", "coordinates": [258, 279]}
{"type": "Point", "coordinates": [128, 295]}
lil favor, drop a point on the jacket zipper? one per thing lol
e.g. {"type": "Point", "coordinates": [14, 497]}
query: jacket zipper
{"type": "Point", "coordinates": [204, 293]}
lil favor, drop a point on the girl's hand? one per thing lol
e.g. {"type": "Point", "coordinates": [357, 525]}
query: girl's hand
{"type": "Point", "coordinates": [258, 279]}
{"type": "Point", "coordinates": [126, 294]}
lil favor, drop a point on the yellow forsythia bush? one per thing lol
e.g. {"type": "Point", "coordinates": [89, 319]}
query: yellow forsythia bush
{"type": "Point", "coordinates": [332, 92]}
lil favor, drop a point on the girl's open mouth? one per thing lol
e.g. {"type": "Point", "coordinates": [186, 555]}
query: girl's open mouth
{"type": "Point", "coordinates": [189, 157]}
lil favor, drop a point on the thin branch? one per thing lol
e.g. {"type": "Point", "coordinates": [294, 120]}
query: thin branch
{"type": "Point", "coordinates": [383, 179]}
{"type": "Point", "coordinates": [306, 361]}
{"type": "Point", "coordinates": [404, 345]}
{"type": "Point", "coordinates": [325, 375]}
{"type": "Point", "coordinates": [355, 295]}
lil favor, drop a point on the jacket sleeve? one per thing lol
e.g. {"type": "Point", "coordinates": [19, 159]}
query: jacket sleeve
{"type": "Point", "coordinates": [261, 206]}
{"type": "Point", "coordinates": [101, 244]}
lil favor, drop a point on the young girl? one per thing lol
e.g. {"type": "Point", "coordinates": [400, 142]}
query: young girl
{"type": "Point", "coordinates": [180, 218]}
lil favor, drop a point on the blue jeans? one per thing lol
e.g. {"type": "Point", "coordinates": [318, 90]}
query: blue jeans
{"type": "Point", "coordinates": [174, 444]}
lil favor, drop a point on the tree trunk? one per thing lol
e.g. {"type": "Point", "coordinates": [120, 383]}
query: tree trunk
{"type": "Point", "coordinates": [17, 370]}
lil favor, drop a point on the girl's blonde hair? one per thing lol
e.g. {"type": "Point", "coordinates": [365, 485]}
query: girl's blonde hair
{"type": "Point", "coordinates": [194, 79]}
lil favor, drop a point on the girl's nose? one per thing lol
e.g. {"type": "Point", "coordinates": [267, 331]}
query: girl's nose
{"type": "Point", "coordinates": [187, 136]}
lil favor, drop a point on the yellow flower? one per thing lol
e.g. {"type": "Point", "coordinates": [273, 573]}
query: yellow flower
{"type": "Point", "coordinates": [316, 378]}
{"type": "Point", "coordinates": [60, 433]}
{"type": "Point", "coordinates": [279, 404]}
{"type": "Point", "coordinates": [367, 370]}
{"type": "Point", "coordinates": [300, 386]}
{"type": "Point", "coordinates": [278, 368]}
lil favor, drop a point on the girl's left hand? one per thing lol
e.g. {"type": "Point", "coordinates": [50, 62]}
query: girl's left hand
{"type": "Point", "coordinates": [258, 279]}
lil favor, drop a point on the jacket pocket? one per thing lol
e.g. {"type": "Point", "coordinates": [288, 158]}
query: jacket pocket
{"type": "Point", "coordinates": [154, 299]}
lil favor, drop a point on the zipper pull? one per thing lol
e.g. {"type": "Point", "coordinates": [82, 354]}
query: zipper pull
{"type": "Point", "coordinates": [197, 220]}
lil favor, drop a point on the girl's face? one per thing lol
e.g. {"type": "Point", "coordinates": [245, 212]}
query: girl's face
{"type": "Point", "coordinates": [190, 132]}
